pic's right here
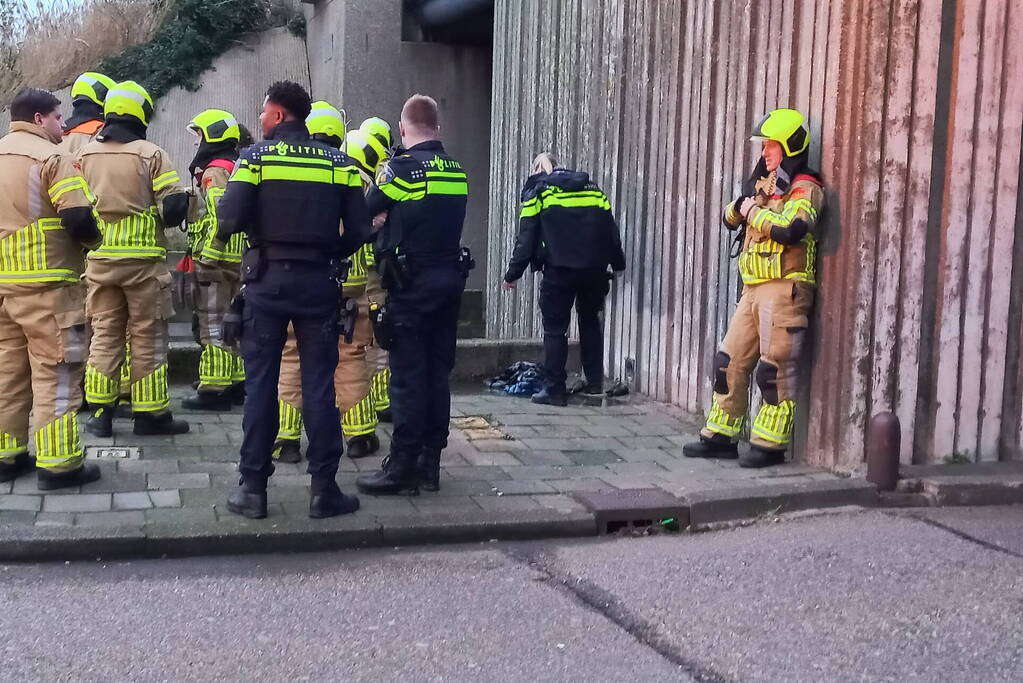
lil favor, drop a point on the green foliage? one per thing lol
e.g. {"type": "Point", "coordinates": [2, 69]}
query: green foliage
{"type": "Point", "coordinates": [192, 34]}
{"type": "Point", "coordinates": [959, 458]}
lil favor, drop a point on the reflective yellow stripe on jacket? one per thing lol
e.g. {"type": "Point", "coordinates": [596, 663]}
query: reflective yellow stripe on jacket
{"type": "Point", "coordinates": [23, 256]}
{"type": "Point", "coordinates": [132, 237]}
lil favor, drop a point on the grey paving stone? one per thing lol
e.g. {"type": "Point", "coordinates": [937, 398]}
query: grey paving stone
{"type": "Point", "coordinates": [17, 517]}
{"type": "Point", "coordinates": [113, 481]}
{"type": "Point", "coordinates": [434, 504]}
{"type": "Point", "coordinates": [210, 467]}
{"type": "Point", "coordinates": [387, 506]}
{"type": "Point", "coordinates": [169, 466]}
{"type": "Point", "coordinates": [110, 519]}
{"type": "Point", "coordinates": [592, 443]}
{"type": "Point", "coordinates": [608, 429]}
{"type": "Point", "coordinates": [191, 480]}
{"type": "Point", "coordinates": [85, 502]}
{"type": "Point", "coordinates": [462, 487]}
{"type": "Point", "coordinates": [182, 516]}
{"type": "Point", "coordinates": [132, 501]}
{"type": "Point", "coordinates": [518, 431]}
{"type": "Point", "coordinates": [506, 503]}
{"type": "Point", "coordinates": [592, 457]}
{"type": "Point", "coordinates": [484, 473]}
{"type": "Point", "coordinates": [547, 472]}
{"type": "Point", "coordinates": [644, 442]}
{"type": "Point", "coordinates": [630, 481]}
{"type": "Point", "coordinates": [189, 498]}
{"type": "Point", "coordinates": [287, 480]}
{"type": "Point", "coordinates": [661, 429]}
{"type": "Point", "coordinates": [559, 502]}
{"type": "Point", "coordinates": [493, 459]}
{"type": "Point", "coordinates": [498, 445]}
{"type": "Point", "coordinates": [55, 519]}
{"type": "Point", "coordinates": [570, 485]}
{"type": "Point", "coordinates": [543, 458]}
{"type": "Point", "coordinates": [522, 486]}
{"type": "Point", "coordinates": [636, 468]}
{"type": "Point", "coordinates": [283, 494]}
{"type": "Point", "coordinates": [6, 487]}
{"type": "Point", "coordinates": [218, 437]}
{"type": "Point", "coordinates": [645, 455]}
{"type": "Point", "coordinates": [21, 502]}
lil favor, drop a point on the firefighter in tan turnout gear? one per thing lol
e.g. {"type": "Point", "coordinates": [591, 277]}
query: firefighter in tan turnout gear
{"type": "Point", "coordinates": [777, 214]}
{"type": "Point", "coordinates": [87, 96]}
{"type": "Point", "coordinates": [139, 193]}
{"type": "Point", "coordinates": [221, 371]}
{"type": "Point", "coordinates": [46, 222]}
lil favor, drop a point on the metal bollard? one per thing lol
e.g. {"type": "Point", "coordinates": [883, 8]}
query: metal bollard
{"type": "Point", "coordinates": [884, 439]}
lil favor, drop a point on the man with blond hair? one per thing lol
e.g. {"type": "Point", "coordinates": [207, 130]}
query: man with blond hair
{"type": "Point", "coordinates": [423, 191]}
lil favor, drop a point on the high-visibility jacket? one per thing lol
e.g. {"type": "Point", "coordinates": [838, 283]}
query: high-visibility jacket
{"type": "Point", "coordinates": [779, 242]}
{"type": "Point", "coordinates": [138, 192]}
{"type": "Point", "coordinates": [80, 136]}
{"type": "Point", "coordinates": [45, 213]}
{"type": "Point", "coordinates": [202, 233]}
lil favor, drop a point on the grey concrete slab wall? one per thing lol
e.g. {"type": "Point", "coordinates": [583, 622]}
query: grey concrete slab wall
{"type": "Point", "coordinates": [359, 62]}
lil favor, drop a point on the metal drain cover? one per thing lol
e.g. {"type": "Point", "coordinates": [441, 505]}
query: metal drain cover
{"type": "Point", "coordinates": [629, 508]}
{"type": "Point", "coordinates": [112, 452]}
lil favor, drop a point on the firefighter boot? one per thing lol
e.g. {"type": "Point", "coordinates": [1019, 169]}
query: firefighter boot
{"type": "Point", "coordinates": [363, 446]}
{"type": "Point", "coordinates": [50, 481]}
{"type": "Point", "coordinates": [326, 500]}
{"type": "Point", "coordinates": [762, 457]}
{"type": "Point", "coordinates": [287, 450]}
{"type": "Point", "coordinates": [384, 415]}
{"type": "Point", "coordinates": [101, 423]}
{"type": "Point", "coordinates": [429, 468]}
{"type": "Point", "coordinates": [149, 424]}
{"type": "Point", "coordinates": [397, 476]}
{"type": "Point", "coordinates": [717, 446]}
{"type": "Point", "coordinates": [12, 470]}
{"type": "Point", "coordinates": [213, 401]}
{"type": "Point", "coordinates": [248, 501]}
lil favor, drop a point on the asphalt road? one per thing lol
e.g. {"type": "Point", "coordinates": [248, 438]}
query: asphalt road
{"type": "Point", "coordinates": [848, 597]}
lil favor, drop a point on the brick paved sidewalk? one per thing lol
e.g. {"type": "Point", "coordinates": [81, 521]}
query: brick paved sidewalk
{"type": "Point", "coordinates": [507, 459]}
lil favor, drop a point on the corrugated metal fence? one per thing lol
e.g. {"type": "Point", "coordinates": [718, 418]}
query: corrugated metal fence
{"type": "Point", "coordinates": [916, 110]}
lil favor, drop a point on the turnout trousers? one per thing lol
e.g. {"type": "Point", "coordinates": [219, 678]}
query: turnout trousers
{"type": "Point", "coordinates": [128, 297]}
{"type": "Point", "coordinates": [303, 295]}
{"type": "Point", "coordinates": [352, 380]}
{"type": "Point", "coordinates": [769, 326]}
{"type": "Point", "coordinates": [422, 355]}
{"type": "Point", "coordinates": [43, 344]}
{"type": "Point", "coordinates": [212, 291]}
{"type": "Point", "coordinates": [560, 289]}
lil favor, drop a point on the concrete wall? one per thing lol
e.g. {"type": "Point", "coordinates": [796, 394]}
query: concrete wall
{"type": "Point", "coordinates": [370, 71]}
{"type": "Point", "coordinates": [915, 113]}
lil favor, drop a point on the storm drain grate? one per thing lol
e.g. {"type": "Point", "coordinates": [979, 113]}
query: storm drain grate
{"type": "Point", "coordinates": [113, 452]}
{"type": "Point", "coordinates": [628, 509]}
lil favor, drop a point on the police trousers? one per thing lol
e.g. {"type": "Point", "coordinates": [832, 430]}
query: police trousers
{"type": "Point", "coordinates": [560, 289]}
{"type": "Point", "coordinates": [769, 326]}
{"type": "Point", "coordinates": [304, 295]}
{"type": "Point", "coordinates": [422, 355]}
{"type": "Point", "coordinates": [128, 296]}
{"type": "Point", "coordinates": [43, 344]}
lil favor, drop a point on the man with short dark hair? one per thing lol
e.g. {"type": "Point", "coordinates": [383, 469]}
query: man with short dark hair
{"type": "Point", "coordinates": [45, 220]}
{"type": "Point", "coordinates": [423, 192]}
{"type": "Point", "coordinates": [291, 194]}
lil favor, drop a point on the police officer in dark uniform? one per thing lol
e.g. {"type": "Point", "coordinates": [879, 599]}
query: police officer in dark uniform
{"type": "Point", "coordinates": [567, 230]}
{"type": "Point", "coordinates": [291, 194]}
{"type": "Point", "coordinates": [423, 268]}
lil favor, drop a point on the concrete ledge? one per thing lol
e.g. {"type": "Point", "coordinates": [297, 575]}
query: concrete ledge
{"type": "Point", "coordinates": [707, 507]}
{"type": "Point", "coordinates": [35, 544]}
{"type": "Point", "coordinates": [475, 359]}
{"type": "Point", "coordinates": [973, 490]}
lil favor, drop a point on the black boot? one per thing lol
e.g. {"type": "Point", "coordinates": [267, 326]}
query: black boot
{"type": "Point", "coordinates": [237, 392]}
{"type": "Point", "coordinates": [148, 424]}
{"type": "Point", "coordinates": [49, 481]}
{"type": "Point", "coordinates": [102, 422]}
{"type": "Point", "coordinates": [248, 501]}
{"type": "Point", "coordinates": [429, 468]}
{"type": "Point", "coordinates": [718, 446]}
{"type": "Point", "coordinates": [548, 397]}
{"type": "Point", "coordinates": [326, 500]}
{"type": "Point", "coordinates": [213, 401]}
{"type": "Point", "coordinates": [287, 450]}
{"type": "Point", "coordinates": [363, 446]}
{"type": "Point", "coordinates": [593, 390]}
{"type": "Point", "coordinates": [762, 457]}
{"type": "Point", "coordinates": [385, 415]}
{"type": "Point", "coordinates": [22, 464]}
{"type": "Point", "coordinates": [397, 476]}
{"type": "Point", "coordinates": [123, 409]}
